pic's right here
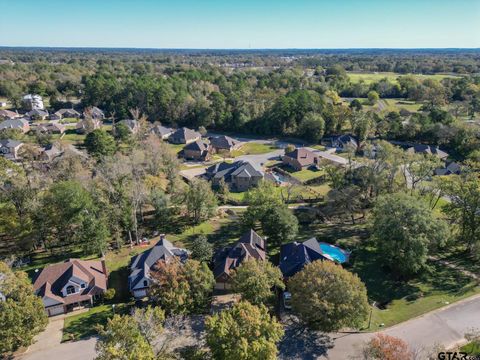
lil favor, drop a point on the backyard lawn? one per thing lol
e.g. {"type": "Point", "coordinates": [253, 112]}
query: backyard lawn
{"type": "Point", "coordinates": [252, 148]}
{"type": "Point", "coordinates": [307, 174]}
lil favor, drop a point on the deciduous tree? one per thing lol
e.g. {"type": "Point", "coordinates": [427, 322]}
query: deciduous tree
{"type": "Point", "coordinates": [244, 332]}
{"type": "Point", "coordinates": [327, 297]}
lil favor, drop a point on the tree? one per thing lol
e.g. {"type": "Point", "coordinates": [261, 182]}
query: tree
{"type": "Point", "coordinates": [279, 225]}
{"type": "Point", "coordinates": [255, 281]}
{"type": "Point", "coordinates": [182, 289]}
{"type": "Point", "coordinates": [150, 322]}
{"type": "Point", "coordinates": [223, 191]}
{"type": "Point", "coordinates": [404, 229]}
{"type": "Point", "coordinates": [243, 332]}
{"type": "Point", "coordinates": [463, 208]}
{"type": "Point", "coordinates": [356, 105]}
{"type": "Point", "coordinates": [260, 200]}
{"type": "Point", "coordinates": [386, 347]}
{"type": "Point", "coordinates": [312, 127]}
{"type": "Point", "coordinates": [373, 97]}
{"type": "Point", "coordinates": [202, 250]}
{"type": "Point", "coordinates": [22, 313]}
{"type": "Point", "coordinates": [99, 143]}
{"type": "Point", "coordinates": [121, 338]}
{"type": "Point", "coordinates": [334, 299]}
{"type": "Point", "coordinates": [122, 133]}
{"type": "Point", "coordinates": [200, 200]}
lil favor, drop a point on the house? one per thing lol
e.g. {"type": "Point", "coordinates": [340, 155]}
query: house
{"type": "Point", "coordinates": [66, 113]}
{"type": "Point", "coordinates": [198, 150]}
{"type": "Point", "coordinates": [224, 143]}
{"type": "Point", "coordinates": [184, 136]}
{"type": "Point", "coordinates": [140, 266]}
{"type": "Point", "coordinates": [70, 285]}
{"type": "Point", "coordinates": [9, 148]}
{"type": "Point", "coordinates": [37, 114]}
{"type": "Point", "coordinates": [87, 125]}
{"type": "Point", "coordinates": [161, 131]}
{"type": "Point", "coordinates": [51, 128]}
{"type": "Point", "coordinates": [8, 114]}
{"type": "Point", "coordinates": [250, 246]}
{"type": "Point", "coordinates": [131, 125]}
{"type": "Point", "coordinates": [451, 168]}
{"type": "Point", "coordinates": [15, 124]}
{"type": "Point", "coordinates": [50, 152]}
{"type": "Point", "coordinates": [94, 113]}
{"type": "Point", "coordinates": [300, 158]}
{"type": "Point", "coordinates": [341, 142]}
{"type": "Point", "coordinates": [241, 175]}
{"type": "Point", "coordinates": [32, 102]}
{"type": "Point", "coordinates": [294, 256]}
{"type": "Point", "coordinates": [427, 149]}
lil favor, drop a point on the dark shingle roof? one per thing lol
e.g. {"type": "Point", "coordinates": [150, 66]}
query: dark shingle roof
{"type": "Point", "coordinates": [249, 246]}
{"type": "Point", "coordinates": [185, 134]}
{"type": "Point", "coordinates": [142, 263]}
{"type": "Point", "coordinates": [238, 168]}
{"type": "Point", "coordinates": [304, 156]}
{"type": "Point", "coordinates": [223, 142]}
{"type": "Point", "coordinates": [198, 145]}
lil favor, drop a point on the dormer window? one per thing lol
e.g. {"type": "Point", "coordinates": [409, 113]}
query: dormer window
{"type": "Point", "coordinates": [82, 286]}
{"type": "Point", "coordinates": [145, 283]}
{"type": "Point", "coordinates": [70, 289]}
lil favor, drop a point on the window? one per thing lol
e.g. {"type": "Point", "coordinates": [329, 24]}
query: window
{"type": "Point", "coordinates": [70, 289]}
{"type": "Point", "coordinates": [145, 283]}
{"type": "Point", "coordinates": [82, 286]}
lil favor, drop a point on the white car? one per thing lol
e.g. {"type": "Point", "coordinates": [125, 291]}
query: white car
{"type": "Point", "coordinates": [287, 300]}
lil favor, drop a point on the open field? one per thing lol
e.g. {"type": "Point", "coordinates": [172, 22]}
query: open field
{"type": "Point", "coordinates": [369, 78]}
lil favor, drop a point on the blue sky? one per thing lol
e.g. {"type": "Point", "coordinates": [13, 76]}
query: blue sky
{"type": "Point", "coordinates": [241, 23]}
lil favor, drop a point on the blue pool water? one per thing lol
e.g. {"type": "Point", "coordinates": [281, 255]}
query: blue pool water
{"type": "Point", "coordinates": [334, 252]}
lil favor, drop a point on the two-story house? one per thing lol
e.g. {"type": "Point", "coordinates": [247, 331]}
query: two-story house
{"type": "Point", "coordinates": [70, 285]}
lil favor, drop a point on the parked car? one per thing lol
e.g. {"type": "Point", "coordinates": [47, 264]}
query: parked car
{"type": "Point", "coordinates": [287, 300]}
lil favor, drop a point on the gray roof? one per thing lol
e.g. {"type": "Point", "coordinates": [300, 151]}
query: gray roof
{"type": "Point", "coordinates": [131, 124]}
{"type": "Point", "coordinates": [37, 112]}
{"type": "Point", "coordinates": [9, 143]}
{"type": "Point", "coordinates": [161, 130]}
{"type": "Point", "coordinates": [223, 142]}
{"type": "Point", "coordinates": [142, 263]}
{"type": "Point", "coordinates": [294, 256]}
{"type": "Point", "coordinates": [227, 170]}
{"type": "Point", "coordinates": [69, 111]}
{"type": "Point", "coordinates": [198, 145]}
{"type": "Point", "coordinates": [13, 124]}
{"type": "Point", "coordinates": [186, 134]}
{"type": "Point", "coordinates": [428, 149]}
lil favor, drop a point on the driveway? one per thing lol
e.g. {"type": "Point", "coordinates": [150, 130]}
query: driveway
{"type": "Point", "coordinates": [48, 344]}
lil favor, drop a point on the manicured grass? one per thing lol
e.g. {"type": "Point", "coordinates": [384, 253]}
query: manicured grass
{"type": "Point", "coordinates": [252, 148]}
{"type": "Point", "coordinates": [397, 104]}
{"type": "Point", "coordinates": [83, 325]}
{"type": "Point", "coordinates": [236, 196]}
{"type": "Point", "coordinates": [368, 78]}
{"type": "Point", "coordinates": [176, 148]}
{"type": "Point", "coordinates": [307, 174]}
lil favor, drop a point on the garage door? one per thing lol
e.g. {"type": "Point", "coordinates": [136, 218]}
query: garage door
{"type": "Point", "coordinates": [140, 293]}
{"type": "Point", "coordinates": [55, 310]}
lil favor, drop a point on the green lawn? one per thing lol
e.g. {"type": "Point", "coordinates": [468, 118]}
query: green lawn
{"type": "Point", "coordinates": [83, 325]}
{"type": "Point", "coordinates": [176, 148]}
{"type": "Point", "coordinates": [252, 148]}
{"type": "Point", "coordinates": [307, 174]}
{"type": "Point", "coordinates": [369, 78]}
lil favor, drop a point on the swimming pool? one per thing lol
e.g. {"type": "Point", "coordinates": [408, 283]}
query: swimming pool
{"type": "Point", "coordinates": [334, 253]}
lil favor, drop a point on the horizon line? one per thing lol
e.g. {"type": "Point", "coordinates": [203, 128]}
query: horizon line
{"type": "Point", "coordinates": [242, 49]}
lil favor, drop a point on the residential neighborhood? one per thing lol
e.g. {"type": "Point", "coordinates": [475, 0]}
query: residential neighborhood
{"type": "Point", "coordinates": [239, 181]}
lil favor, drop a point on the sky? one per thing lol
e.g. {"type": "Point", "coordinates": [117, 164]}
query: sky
{"type": "Point", "coordinates": [241, 24]}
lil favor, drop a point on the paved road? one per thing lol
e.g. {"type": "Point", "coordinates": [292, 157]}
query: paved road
{"type": "Point", "coordinates": [445, 326]}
